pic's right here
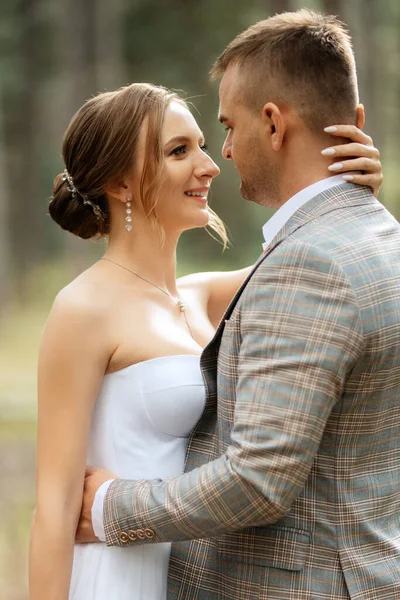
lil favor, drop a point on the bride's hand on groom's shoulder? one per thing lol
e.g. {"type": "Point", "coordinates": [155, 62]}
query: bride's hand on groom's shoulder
{"type": "Point", "coordinates": [357, 155]}
{"type": "Point", "coordinates": [94, 478]}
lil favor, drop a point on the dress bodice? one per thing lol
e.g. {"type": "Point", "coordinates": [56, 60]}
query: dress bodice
{"type": "Point", "coordinates": [140, 426]}
{"type": "Point", "coordinates": [143, 417]}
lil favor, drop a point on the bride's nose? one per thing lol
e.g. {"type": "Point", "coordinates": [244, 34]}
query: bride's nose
{"type": "Point", "coordinates": [206, 167]}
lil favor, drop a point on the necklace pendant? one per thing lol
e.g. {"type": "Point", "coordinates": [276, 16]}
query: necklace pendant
{"type": "Point", "coordinates": [182, 307]}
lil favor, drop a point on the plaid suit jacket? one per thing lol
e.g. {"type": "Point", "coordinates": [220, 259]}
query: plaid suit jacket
{"type": "Point", "coordinates": [292, 482]}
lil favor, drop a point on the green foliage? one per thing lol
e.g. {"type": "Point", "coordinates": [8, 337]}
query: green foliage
{"type": "Point", "coordinates": [168, 42]}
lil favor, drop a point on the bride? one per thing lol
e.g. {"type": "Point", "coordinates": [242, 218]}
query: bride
{"type": "Point", "coordinates": [120, 384]}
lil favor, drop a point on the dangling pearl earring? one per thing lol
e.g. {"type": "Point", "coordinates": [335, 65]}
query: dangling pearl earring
{"type": "Point", "coordinates": [128, 217]}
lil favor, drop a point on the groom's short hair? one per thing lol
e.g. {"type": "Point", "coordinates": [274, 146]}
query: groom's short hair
{"type": "Point", "coordinates": [304, 59]}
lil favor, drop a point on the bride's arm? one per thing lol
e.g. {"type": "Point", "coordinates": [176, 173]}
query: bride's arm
{"type": "Point", "coordinates": [72, 362]}
{"type": "Point", "coordinates": [359, 154]}
{"type": "Point", "coordinates": [216, 289]}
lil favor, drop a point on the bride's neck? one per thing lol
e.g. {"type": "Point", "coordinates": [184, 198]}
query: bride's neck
{"type": "Point", "coordinates": [146, 254]}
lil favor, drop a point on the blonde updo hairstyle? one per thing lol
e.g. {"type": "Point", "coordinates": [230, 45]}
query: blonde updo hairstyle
{"type": "Point", "coordinates": [99, 147]}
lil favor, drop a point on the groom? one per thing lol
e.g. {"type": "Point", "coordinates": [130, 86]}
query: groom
{"type": "Point", "coordinates": [292, 489]}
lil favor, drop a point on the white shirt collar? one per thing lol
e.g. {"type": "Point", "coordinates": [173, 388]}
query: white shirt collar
{"type": "Point", "coordinates": [283, 214]}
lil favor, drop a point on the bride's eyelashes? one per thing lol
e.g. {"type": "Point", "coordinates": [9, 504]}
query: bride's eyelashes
{"type": "Point", "coordinates": [179, 150]}
{"type": "Point", "coordinates": [182, 150]}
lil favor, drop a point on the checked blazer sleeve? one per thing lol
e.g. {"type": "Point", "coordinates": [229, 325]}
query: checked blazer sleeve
{"type": "Point", "coordinates": [300, 336]}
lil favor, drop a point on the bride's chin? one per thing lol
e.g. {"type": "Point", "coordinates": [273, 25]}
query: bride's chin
{"type": "Point", "coordinates": [205, 219]}
{"type": "Point", "coordinates": [200, 221]}
{"type": "Point", "coordinates": [202, 218]}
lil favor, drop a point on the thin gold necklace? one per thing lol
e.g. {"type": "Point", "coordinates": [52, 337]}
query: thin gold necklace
{"type": "Point", "coordinates": [177, 301]}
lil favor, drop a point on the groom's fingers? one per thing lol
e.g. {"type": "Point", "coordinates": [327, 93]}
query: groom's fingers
{"type": "Point", "coordinates": [350, 131]}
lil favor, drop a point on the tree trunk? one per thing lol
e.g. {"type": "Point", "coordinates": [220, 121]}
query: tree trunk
{"type": "Point", "coordinates": [279, 6]}
{"type": "Point", "coordinates": [332, 7]}
{"type": "Point", "coordinates": [79, 29]}
{"type": "Point", "coordinates": [26, 221]}
{"type": "Point", "coordinates": [109, 59]}
{"type": "Point", "coordinates": [5, 251]}
{"type": "Point", "coordinates": [363, 16]}
{"type": "Point", "coordinates": [92, 62]}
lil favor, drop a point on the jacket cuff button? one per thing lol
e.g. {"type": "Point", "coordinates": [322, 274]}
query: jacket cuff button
{"type": "Point", "coordinates": [123, 537]}
{"type": "Point", "coordinates": [149, 533]}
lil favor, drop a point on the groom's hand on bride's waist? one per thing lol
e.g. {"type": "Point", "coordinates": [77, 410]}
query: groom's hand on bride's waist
{"type": "Point", "coordinates": [94, 478]}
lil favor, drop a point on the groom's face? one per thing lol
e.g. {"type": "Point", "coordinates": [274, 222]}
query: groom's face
{"type": "Point", "coordinates": [245, 144]}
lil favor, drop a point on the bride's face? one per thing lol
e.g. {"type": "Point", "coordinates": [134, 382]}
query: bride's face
{"type": "Point", "coordinates": [189, 171]}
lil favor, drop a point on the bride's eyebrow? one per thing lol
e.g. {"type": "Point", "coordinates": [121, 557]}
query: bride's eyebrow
{"type": "Point", "coordinates": [179, 139]}
{"type": "Point", "coordinates": [182, 139]}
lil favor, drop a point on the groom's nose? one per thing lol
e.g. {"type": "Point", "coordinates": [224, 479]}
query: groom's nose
{"type": "Point", "coordinates": [226, 150]}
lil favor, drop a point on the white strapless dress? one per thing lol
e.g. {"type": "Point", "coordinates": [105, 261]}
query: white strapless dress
{"type": "Point", "coordinates": [140, 427]}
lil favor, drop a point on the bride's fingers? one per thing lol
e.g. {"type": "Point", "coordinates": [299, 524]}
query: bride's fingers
{"type": "Point", "coordinates": [373, 180]}
{"type": "Point", "coordinates": [369, 179]}
{"type": "Point", "coordinates": [372, 177]}
{"type": "Point", "coordinates": [356, 164]}
{"type": "Point", "coordinates": [365, 158]}
{"type": "Point", "coordinates": [350, 131]}
{"type": "Point", "coordinates": [352, 149]}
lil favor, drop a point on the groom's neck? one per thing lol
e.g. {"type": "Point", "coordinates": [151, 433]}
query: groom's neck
{"type": "Point", "coordinates": [302, 166]}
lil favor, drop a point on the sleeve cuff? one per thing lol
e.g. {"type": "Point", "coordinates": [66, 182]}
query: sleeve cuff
{"type": "Point", "coordinates": [97, 510]}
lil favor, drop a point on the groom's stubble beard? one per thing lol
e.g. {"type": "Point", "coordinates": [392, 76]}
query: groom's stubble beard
{"type": "Point", "coordinates": [260, 183]}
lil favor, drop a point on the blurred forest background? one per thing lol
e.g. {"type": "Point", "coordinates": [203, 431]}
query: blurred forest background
{"type": "Point", "coordinates": [55, 54]}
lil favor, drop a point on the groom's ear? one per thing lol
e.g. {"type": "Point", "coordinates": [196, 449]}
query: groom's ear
{"type": "Point", "coordinates": [360, 116]}
{"type": "Point", "coordinates": [275, 125]}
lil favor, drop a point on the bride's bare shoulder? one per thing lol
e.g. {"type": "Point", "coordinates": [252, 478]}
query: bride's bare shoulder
{"type": "Point", "coordinates": [77, 330]}
{"type": "Point", "coordinates": [85, 299]}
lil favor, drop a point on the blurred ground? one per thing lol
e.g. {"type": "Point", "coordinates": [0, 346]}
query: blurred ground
{"type": "Point", "coordinates": [19, 334]}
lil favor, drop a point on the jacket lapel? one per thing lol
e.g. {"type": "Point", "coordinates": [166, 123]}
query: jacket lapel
{"type": "Point", "coordinates": [333, 199]}
{"type": "Point", "coordinates": [330, 200]}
